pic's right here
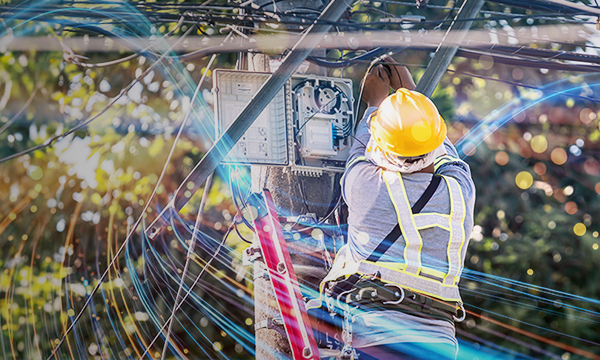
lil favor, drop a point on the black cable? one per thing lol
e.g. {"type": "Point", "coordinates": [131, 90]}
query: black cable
{"type": "Point", "coordinates": [471, 53]}
{"type": "Point", "coordinates": [300, 187]}
{"type": "Point", "coordinates": [448, 15]}
{"type": "Point", "coordinates": [315, 113]}
{"type": "Point", "coordinates": [563, 93]}
{"type": "Point", "coordinates": [240, 235]}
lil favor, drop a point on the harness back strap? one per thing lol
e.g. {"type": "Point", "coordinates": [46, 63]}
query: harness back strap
{"type": "Point", "coordinates": [396, 232]}
{"type": "Point", "coordinates": [389, 240]}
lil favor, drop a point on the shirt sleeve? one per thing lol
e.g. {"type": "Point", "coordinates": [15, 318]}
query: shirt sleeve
{"type": "Point", "coordinates": [445, 163]}
{"type": "Point", "coordinates": [452, 166]}
{"type": "Point", "coordinates": [361, 138]}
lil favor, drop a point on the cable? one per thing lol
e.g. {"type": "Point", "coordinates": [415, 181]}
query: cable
{"type": "Point", "coordinates": [362, 83]}
{"type": "Point", "coordinates": [315, 113]}
{"type": "Point", "coordinates": [507, 82]}
{"type": "Point", "coordinates": [127, 58]}
{"type": "Point", "coordinates": [187, 293]}
{"type": "Point", "coordinates": [507, 49]}
{"type": "Point", "coordinates": [240, 235]}
{"type": "Point", "coordinates": [18, 114]}
{"type": "Point", "coordinates": [55, 138]}
{"type": "Point", "coordinates": [123, 245]}
{"type": "Point", "coordinates": [199, 217]}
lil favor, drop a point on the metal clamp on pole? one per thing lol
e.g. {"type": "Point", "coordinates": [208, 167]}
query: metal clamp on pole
{"type": "Point", "coordinates": [270, 323]}
{"type": "Point", "coordinates": [251, 254]}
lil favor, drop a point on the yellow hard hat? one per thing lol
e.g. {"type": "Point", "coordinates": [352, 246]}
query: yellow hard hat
{"type": "Point", "coordinates": [408, 124]}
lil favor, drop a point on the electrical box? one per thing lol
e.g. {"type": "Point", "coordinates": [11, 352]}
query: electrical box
{"type": "Point", "coordinates": [265, 142]}
{"type": "Point", "coordinates": [307, 126]}
{"type": "Point", "coordinates": [323, 118]}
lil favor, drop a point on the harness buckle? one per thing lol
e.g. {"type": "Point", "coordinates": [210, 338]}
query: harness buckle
{"type": "Point", "coordinates": [463, 316]}
{"type": "Point", "coordinates": [348, 352]}
{"type": "Point", "coordinates": [399, 294]}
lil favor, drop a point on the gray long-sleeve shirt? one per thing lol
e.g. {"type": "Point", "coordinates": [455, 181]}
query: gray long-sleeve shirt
{"type": "Point", "coordinates": [372, 217]}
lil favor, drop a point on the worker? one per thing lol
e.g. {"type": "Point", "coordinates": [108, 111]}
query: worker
{"type": "Point", "coordinates": [410, 202]}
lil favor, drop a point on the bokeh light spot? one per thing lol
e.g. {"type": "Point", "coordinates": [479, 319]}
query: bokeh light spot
{"type": "Point", "coordinates": [35, 172]}
{"type": "Point", "coordinates": [421, 131]}
{"type": "Point", "coordinates": [579, 229]}
{"type": "Point", "coordinates": [486, 62]}
{"type": "Point", "coordinates": [558, 156]}
{"type": "Point", "coordinates": [568, 190]}
{"type": "Point", "coordinates": [539, 144]}
{"type": "Point", "coordinates": [571, 207]}
{"type": "Point", "coordinates": [524, 180]}
{"type": "Point", "coordinates": [587, 116]}
{"type": "Point", "coordinates": [317, 234]}
{"type": "Point", "coordinates": [539, 168]}
{"type": "Point", "coordinates": [591, 166]}
{"type": "Point", "coordinates": [502, 158]}
{"type": "Point", "coordinates": [518, 74]}
{"type": "Point", "coordinates": [469, 149]}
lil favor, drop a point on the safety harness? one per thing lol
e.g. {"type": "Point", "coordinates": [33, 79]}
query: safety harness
{"type": "Point", "coordinates": [406, 286]}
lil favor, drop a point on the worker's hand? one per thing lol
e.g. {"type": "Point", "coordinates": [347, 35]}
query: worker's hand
{"type": "Point", "coordinates": [376, 86]}
{"type": "Point", "coordinates": [399, 75]}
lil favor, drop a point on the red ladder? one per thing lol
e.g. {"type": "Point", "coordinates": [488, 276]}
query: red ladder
{"type": "Point", "coordinates": [281, 272]}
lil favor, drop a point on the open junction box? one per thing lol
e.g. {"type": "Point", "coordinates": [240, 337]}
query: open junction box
{"type": "Point", "coordinates": [307, 127]}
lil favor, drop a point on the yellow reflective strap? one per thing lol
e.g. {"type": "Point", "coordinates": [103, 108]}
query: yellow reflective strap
{"type": "Point", "coordinates": [440, 161]}
{"type": "Point", "coordinates": [428, 220]}
{"type": "Point", "coordinates": [412, 239]}
{"type": "Point", "coordinates": [356, 159]}
{"type": "Point", "coordinates": [457, 233]}
{"type": "Point", "coordinates": [462, 230]}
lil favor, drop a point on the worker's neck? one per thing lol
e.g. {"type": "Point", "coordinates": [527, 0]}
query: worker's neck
{"type": "Point", "coordinates": [428, 169]}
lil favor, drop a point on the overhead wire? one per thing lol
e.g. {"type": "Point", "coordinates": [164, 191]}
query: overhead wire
{"type": "Point", "coordinates": [207, 186]}
{"type": "Point", "coordinates": [121, 248]}
{"type": "Point", "coordinates": [53, 139]}
{"type": "Point", "coordinates": [236, 230]}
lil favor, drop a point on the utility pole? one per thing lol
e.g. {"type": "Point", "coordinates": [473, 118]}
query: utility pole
{"type": "Point", "coordinates": [443, 56]}
{"type": "Point", "coordinates": [294, 194]}
{"type": "Point", "coordinates": [270, 339]}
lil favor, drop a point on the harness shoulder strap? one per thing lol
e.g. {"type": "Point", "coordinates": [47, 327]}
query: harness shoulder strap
{"type": "Point", "coordinates": [395, 234]}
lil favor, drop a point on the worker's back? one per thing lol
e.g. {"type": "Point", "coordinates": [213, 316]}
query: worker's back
{"type": "Point", "coordinates": [372, 216]}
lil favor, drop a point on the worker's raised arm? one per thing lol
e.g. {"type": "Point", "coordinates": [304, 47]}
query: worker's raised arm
{"type": "Point", "coordinates": [376, 87]}
{"type": "Point", "coordinates": [399, 75]}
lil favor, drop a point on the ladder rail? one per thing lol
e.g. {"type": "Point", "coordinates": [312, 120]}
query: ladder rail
{"type": "Point", "coordinates": [283, 278]}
